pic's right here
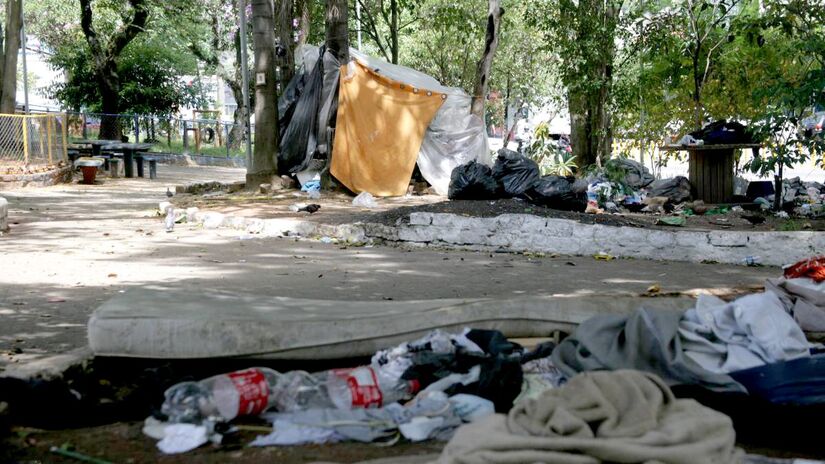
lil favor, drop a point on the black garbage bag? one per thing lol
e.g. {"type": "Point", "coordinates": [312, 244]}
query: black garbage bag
{"type": "Point", "coordinates": [677, 189]}
{"type": "Point", "coordinates": [557, 193]}
{"type": "Point", "coordinates": [516, 173]}
{"type": "Point", "coordinates": [473, 181]}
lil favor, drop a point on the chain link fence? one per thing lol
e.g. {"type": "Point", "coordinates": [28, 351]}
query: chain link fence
{"type": "Point", "coordinates": [32, 143]}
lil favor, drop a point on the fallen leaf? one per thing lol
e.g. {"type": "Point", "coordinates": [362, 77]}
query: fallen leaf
{"type": "Point", "coordinates": [653, 289]}
{"type": "Point", "coordinates": [112, 275]}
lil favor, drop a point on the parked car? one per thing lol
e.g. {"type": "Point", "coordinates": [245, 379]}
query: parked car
{"type": "Point", "coordinates": [813, 124]}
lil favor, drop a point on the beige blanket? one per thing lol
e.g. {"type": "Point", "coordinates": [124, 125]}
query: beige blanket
{"type": "Point", "coordinates": [621, 416]}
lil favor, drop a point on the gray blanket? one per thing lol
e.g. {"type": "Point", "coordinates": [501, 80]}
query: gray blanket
{"type": "Point", "coordinates": [647, 340]}
{"type": "Point", "coordinates": [804, 299]}
{"type": "Point", "coordinates": [621, 417]}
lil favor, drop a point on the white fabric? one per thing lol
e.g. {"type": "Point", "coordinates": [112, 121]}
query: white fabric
{"type": "Point", "coordinates": [180, 438]}
{"type": "Point", "coordinates": [288, 433]}
{"type": "Point", "coordinates": [751, 331]}
{"type": "Point", "coordinates": [454, 137]}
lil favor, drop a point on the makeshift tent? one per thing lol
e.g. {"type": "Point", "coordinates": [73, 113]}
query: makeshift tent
{"type": "Point", "coordinates": [379, 129]}
{"type": "Point", "coordinates": [452, 138]}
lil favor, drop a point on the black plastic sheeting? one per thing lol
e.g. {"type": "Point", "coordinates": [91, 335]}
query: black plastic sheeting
{"type": "Point", "coordinates": [306, 109]}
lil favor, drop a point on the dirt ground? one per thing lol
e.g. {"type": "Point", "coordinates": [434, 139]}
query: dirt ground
{"type": "Point", "coordinates": [124, 443]}
{"type": "Point", "coordinates": [336, 208]}
{"type": "Point", "coordinates": [73, 246]}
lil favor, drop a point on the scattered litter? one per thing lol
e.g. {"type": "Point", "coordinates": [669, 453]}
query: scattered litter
{"type": "Point", "coordinates": [69, 453]}
{"type": "Point", "coordinates": [677, 221]}
{"type": "Point", "coordinates": [603, 257]}
{"type": "Point", "coordinates": [180, 438]}
{"type": "Point", "coordinates": [365, 200]}
{"type": "Point", "coordinates": [56, 299]}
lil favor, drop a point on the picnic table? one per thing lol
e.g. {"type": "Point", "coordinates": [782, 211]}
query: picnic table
{"type": "Point", "coordinates": [710, 169]}
{"type": "Point", "coordinates": [96, 147]}
{"type": "Point", "coordinates": [131, 152]}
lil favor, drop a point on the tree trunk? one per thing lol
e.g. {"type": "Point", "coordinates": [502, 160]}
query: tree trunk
{"type": "Point", "coordinates": [286, 52]}
{"type": "Point", "coordinates": [109, 82]}
{"type": "Point", "coordinates": [337, 32]}
{"type": "Point", "coordinates": [304, 22]}
{"type": "Point", "coordinates": [697, 90]}
{"type": "Point", "coordinates": [485, 64]}
{"type": "Point", "coordinates": [236, 133]}
{"type": "Point", "coordinates": [263, 165]}
{"type": "Point", "coordinates": [580, 128]}
{"type": "Point", "coordinates": [394, 30]}
{"type": "Point", "coordinates": [8, 92]}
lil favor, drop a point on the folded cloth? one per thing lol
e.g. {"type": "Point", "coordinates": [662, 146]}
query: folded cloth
{"type": "Point", "coordinates": [804, 298]}
{"type": "Point", "coordinates": [647, 340]}
{"type": "Point", "coordinates": [607, 416]}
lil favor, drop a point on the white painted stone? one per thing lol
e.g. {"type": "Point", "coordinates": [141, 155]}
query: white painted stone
{"type": "Point", "coordinates": [191, 214]}
{"type": "Point", "coordinates": [421, 219]}
{"type": "Point", "coordinates": [4, 214]}
{"type": "Point", "coordinates": [213, 220]}
{"type": "Point", "coordinates": [728, 238]}
{"type": "Point", "coordinates": [162, 206]}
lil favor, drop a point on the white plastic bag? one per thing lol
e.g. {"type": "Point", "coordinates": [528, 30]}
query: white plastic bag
{"type": "Point", "coordinates": [365, 200]}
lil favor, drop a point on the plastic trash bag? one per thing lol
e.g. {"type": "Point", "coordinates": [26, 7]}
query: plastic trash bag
{"type": "Point", "coordinates": [677, 189]}
{"type": "Point", "coordinates": [516, 173]}
{"type": "Point", "coordinates": [636, 175]}
{"type": "Point", "coordinates": [365, 200]}
{"type": "Point", "coordinates": [557, 193]}
{"type": "Point", "coordinates": [473, 181]}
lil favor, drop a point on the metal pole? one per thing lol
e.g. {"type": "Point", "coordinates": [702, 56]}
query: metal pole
{"type": "Point", "coordinates": [245, 75]}
{"type": "Point", "coordinates": [358, 18]}
{"type": "Point", "coordinates": [25, 68]}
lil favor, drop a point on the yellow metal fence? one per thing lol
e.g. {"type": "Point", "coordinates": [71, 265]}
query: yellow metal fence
{"type": "Point", "coordinates": [32, 143]}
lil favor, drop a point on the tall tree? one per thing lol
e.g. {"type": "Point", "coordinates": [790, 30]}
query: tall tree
{"type": "Point", "coordinates": [220, 50]}
{"type": "Point", "coordinates": [8, 71]}
{"type": "Point", "coordinates": [583, 36]}
{"type": "Point", "coordinates": [485, 64]}
{"type": "Point", "coordinates": [105, 55]}
{"type": "Point", "coordinates": [264, 165]}
{"type": "Point", "coordinates": [337, 32]}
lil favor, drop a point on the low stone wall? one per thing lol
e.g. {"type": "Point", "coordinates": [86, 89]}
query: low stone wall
{"type": "Point", "coordinates": [524, 232]}
{"type": "Point", "coordinates": [4, 215]}
{"type": "Point", "coordinates": [55, 176]}
{"type": "Point", "coordinates": [198, 160]}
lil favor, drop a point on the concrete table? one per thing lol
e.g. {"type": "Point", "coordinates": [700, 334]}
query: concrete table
{"type": "Point", "coordinates": [97, 146]}
{"type": "Point", "coordinates": [131, 152]}
{"type": "Point", "coordinates": [710, 169]}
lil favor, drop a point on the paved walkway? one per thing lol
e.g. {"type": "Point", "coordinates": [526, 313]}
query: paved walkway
{"type": "Point", "coordinates": [73, 246]}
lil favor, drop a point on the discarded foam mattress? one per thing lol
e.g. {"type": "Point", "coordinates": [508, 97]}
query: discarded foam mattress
{"type": "Point", "coordinates": [179, 323]}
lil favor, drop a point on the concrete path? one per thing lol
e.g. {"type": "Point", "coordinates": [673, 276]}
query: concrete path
{"type": "Point", "coordinates": [71, 247]}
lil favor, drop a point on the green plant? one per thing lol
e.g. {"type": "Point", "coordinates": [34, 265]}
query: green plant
{"type": "Point", "coordinates": [549, 155]}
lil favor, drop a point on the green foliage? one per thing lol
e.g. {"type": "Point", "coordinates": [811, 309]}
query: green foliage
{"type": "Point", "coordinates": [546, 152]}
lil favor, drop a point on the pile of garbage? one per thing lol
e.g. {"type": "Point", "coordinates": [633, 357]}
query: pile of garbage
{"type": "Point", "coordinates": [602, 392]}
{"type": "Point", "coordinates": [622, 185]}
{"type": "Point", "coordinates": [802, 199]}
{"type": "Point", "coordinates": [514, 176]}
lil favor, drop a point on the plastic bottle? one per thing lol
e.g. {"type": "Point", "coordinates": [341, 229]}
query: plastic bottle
{"type": "Point", "coordinates": [225, 396]}
{"type": "Point", "coordinates": [367, 387]}
{"type": "Point", "coordinates": [253, 391]}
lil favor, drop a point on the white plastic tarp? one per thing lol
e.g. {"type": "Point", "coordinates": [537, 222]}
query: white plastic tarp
{"type": "Point", "coordinates": [454, 137]}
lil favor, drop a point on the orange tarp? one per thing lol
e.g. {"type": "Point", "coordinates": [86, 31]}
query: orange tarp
{"type": "Point", "coordinates": [379, 130]}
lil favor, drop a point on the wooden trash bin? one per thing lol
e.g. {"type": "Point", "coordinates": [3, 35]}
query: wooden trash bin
{"type": "Point", "coordinates": [710, 170]}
